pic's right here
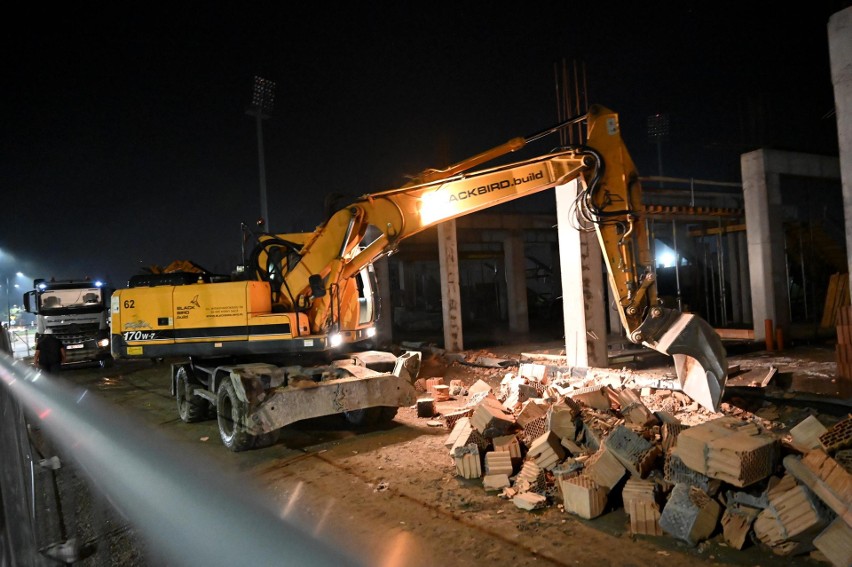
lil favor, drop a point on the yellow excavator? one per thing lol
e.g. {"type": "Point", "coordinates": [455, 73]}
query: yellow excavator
{"type": "Point", "coordinates": [313, 293]}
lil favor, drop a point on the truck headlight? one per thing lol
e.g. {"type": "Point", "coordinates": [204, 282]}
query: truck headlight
{"type": "Point", "coordinates": [335, 339]}
{"type": "Point", "coordinates": [103, 343]}
{"type": "Point", "coordinates": [371, 332]}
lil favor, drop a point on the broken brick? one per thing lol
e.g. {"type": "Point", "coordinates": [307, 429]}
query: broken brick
{"type": "Point", "coordinates": [791, 521]}
{"type": "Point", "coordinates": [490, 419]}
{"type": "Point", "coordinates": [637, 455]}
{"type": "Point", "coordinates": [690, 514]}
{"type": "Point", "coordinates": [546, 450]}
{"type": "Point", "coordinates": [805, 436]}
{"type": "Point", "coordinates": [835, 542]}
{"type": "Point", "coordinates": [730, 450]}
{"type": "Point", "coordinates": [736, 524]}
{"type": "Point", "coordinates": [828, 480]}
{"type": "Point", "coordinates": [641, 503]}
{"type": "Point", "coordinates": [583, 496]}
{"type": "Point", "coordinates": [467, 459]}
{"type": "Point", "coordinates": [605, 469]}
{"type": "Point", "coordinates": [497, 462]}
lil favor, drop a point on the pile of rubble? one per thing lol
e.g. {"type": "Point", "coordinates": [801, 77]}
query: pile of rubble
{"type": "Point", "coordinates": [590, 441]}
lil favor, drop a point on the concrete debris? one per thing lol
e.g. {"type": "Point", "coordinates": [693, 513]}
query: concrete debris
{"type": "Point", "coordinates": [553, 435]}
{"type": "Point", "coordinates": [831, 482]}
{"type": "Point", "coordinates": [530, 501]}
{"type": "Point", "coordinates": [805, 436]}
{"type": "Point", "coordinates": [426, 407]}
{"type": "Point", "coordinates": [729, 449]}
{"type": "Point", "coordinates": [690, 514]}
{"type": "Point", "coordinates": [457, 388]}
{"type": "Point", "coordinates": [642, 503]}
{"type": "Point", "coordinates": [495, 482]}
{"type": "Point", "coordinates": [582, 496]}
{"type": "Point", "coordinates": [835, 542]}
{"type": "Point", "coordinates": [791, 521]}
{"type": "Point", "coordinates": [838, 437]}
{"type": "Point", "coordinates": [491, 362]}
{"type": "Point", "coordinates": [736, 524]}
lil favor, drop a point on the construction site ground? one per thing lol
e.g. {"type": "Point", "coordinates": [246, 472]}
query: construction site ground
{"type": "Point", "coordinates": [390, 495]}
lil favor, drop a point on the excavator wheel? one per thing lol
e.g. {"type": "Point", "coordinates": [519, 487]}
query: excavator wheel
{"type": "Point", "coordinates": [387, 413]}
{"type": "Point", "coordinates": [363, 417]}
{"type": "Point", "coordinates": [190, 408]}
{"type": "Point", "coordinates": [231, 413]}
{"type": "Point", "coordinates": [370, 416]}
{"type": "Point", "coordinates": [267, 439]}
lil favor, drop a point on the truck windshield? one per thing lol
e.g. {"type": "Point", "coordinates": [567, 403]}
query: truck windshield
{"type": "Point", "coordinates": [70, 298]}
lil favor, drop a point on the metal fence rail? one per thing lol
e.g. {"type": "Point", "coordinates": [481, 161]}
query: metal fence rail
{"type": "Point", "coordinates": [188, 512]}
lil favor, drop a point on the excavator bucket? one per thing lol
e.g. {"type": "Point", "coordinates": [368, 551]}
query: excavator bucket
{"type": "Point", "coordinates": [700, 360]}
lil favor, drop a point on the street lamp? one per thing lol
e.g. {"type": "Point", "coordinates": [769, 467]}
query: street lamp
{"type": "Point", "coordinates": [8, 301]}
{"type": "Point", "coordinates": [658, 130]}
{"type": "Point", "coordinates": [262, 103]}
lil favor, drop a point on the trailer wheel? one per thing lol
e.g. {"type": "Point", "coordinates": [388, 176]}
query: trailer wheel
{"type": "Point", "coordinates": [231, 415]}
{"type": "Point", "coordinates": [190, 408]}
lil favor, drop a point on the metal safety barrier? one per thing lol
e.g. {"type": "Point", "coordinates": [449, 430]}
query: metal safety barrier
{"type": "Point", "coordinates": [186, 509]}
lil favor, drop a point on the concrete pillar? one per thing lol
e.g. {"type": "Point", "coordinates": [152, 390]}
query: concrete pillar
{"type": "Point", "coordinates": [450, 288]}
{"type": "Point", "coordinates": [765, 234]}
{"type": "Point", "coordinates": [840, 53]}
{"type": "Point", "coordinates": [762, 172]}
{"type": "Point", "coordinates": [516, 282]}
{"type": "Point", "coordinates": [384, 325]}
{"type": "Point", "coordinates": [583, 303]}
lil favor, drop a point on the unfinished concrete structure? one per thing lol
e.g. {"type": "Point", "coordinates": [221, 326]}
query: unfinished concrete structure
{"type": "Point", "coordinates": [745, 254]}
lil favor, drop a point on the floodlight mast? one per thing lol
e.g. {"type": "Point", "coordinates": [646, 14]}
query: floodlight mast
{"type": "Point", "coordinates": [262, 103]}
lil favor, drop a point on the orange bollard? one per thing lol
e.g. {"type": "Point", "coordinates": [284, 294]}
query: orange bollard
{"type": "Point", "coordinates": [779, 338]}
{"type": "Point", "coordinates": [767, 328]}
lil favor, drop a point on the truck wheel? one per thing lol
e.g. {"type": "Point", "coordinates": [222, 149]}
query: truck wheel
{"type": "Point", "coordinates": [190, 408]}
{"type": "Point", "coordinates": [231, 415]}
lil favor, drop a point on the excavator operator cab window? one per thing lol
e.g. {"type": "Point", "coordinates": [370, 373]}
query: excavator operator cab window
{"type": "Point", "coordinates": [273, 270]}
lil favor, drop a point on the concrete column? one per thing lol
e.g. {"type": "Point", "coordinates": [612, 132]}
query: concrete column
{"type": "Point", "coordinates": [516, 282]}
{"type": "Point", "coordinates": [840, 52]}
{"type": "Point", "coordinates": [762, 172]}
{"type": "Point", "coordinates": [583, 303]}
{"type": "Point", "coordinates": [384, 325]}
{"type": "Point", "coordinates": [450, 290]}
{"type": "Point", "coordinates": [765, 234]}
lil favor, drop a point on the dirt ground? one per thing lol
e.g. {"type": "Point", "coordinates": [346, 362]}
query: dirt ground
{"type": "Point", "coordinates": [389, 494]}
{"type": "Point", "coordinates": [402, 479]}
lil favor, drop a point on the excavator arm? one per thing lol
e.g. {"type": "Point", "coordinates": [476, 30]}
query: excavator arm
{"type": "Point", "coordinates": [303, 267]}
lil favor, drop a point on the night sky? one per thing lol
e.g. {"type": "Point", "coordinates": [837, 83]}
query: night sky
{"type": "Point", "coordinates": [126, 141]}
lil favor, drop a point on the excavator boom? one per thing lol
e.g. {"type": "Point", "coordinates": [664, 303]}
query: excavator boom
{"type": "Point", "coordinates": [311, 275]}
